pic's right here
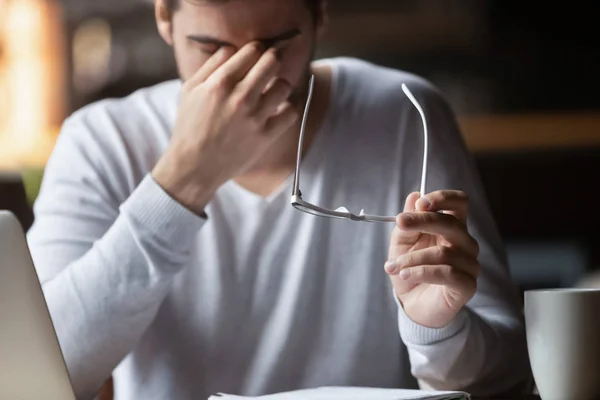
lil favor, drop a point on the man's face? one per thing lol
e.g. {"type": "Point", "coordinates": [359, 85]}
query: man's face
{"type": "Point", "coordinates": [199, 28]}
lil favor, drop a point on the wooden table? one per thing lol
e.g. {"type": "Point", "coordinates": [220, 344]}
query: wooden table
{"type": "Point", "coordinates": [526, 132]}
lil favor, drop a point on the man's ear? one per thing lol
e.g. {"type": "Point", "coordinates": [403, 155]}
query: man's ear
{"type": "Point", "coordinates": [323, 19]}
{"type": "Point", "coordinates": [164, 21]}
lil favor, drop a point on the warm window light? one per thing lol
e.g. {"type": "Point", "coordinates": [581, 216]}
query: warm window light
{"type": "Point", "coordinates": [91, 55]}
{"type": "Point", "coordinates": [31, 81]}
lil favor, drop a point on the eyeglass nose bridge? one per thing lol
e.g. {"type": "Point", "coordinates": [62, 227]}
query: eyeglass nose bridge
{"type": "Point", "coordinates": [350, 215]}
{"type": "Point", "coordinates": [357, 218]}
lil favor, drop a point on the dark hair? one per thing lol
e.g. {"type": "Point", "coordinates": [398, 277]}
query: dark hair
{"type": "Point", "coordinates": [313, 5]}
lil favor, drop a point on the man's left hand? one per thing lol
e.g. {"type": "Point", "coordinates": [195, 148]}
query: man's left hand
{"type": "Point", "coordinates": [433, 259]}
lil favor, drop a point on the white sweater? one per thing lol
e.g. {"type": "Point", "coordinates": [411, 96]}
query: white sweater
{"type": "Point", "coordinates": [261, 297]}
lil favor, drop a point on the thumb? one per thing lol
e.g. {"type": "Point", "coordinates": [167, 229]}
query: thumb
{"type": "Point", "coordinates": [411, 202]}
{"type": "Point", "coordinates": [409, 206]}
{"type": "Point", "coordinates": [399, 236]}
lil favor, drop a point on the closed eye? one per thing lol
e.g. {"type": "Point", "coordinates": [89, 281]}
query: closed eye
{"type": "Point", "coordinates": [208, 49]}
{"type": "Point", "coordinates": [282, 48]}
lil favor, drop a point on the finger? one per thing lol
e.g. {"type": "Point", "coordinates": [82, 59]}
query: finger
{"type": "Point", "coordinates": [400, 237]}
{"type": "Point", "coordinates": [453, 202]}
{"type": "Point", "coordinates": [438, 255]}
{"type": "Point", "coordinates": [285, 118]}
{"type": "Point", "coordinates": [444, 275]}
{"type": "Point", "coordinates": [446, 226]}
{"type": "Point", "coordinates": [411, 201]}
{"type": "Point", "coordinates": [271, 100]}
{"type": "Point", "coordinates": [209, 67]}
{"type": "Point", "coordinates": [237, 66]}
{"type": "Point", "coordinates": [261, 74]}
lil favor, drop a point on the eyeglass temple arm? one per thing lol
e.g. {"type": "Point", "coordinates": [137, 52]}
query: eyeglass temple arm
{"type": "Point", "coordinates": [296, 185]}
{"type": "Point", "coordinates": [296, 189]}
{"type": "Point", "coordinates": [425, 137]}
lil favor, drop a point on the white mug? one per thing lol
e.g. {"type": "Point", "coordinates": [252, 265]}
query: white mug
{"type": "Point", "coordinates": [563, 339]}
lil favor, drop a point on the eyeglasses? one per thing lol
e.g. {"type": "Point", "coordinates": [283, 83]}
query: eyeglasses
{"type": "Point", "coordinates": [342, 212]}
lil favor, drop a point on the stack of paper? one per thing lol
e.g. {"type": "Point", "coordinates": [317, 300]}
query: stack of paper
{"type": "Point", "coordinates": [351, 393]}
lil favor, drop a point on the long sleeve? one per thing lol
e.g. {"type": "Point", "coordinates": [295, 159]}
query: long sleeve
{"type": "Point", "coordinates": [484, 349]}
{"type": "Point", "coordinates": [105, 265]}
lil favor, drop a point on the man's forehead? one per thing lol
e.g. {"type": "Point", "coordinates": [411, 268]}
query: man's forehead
{"type": "Point", "coordinates": [237, 9]}
{"type": "Point", "coordinates": [242, 23]}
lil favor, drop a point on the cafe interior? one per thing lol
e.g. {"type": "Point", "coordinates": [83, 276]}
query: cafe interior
{"type": "Point", "coordinates": [522, 78]}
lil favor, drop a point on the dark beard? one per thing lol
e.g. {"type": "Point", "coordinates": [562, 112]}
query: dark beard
{"type": "Point", "coordinates": [300, 93]}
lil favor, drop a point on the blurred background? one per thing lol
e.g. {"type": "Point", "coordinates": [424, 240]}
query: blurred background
{"type": "Point", "coordinates": [522, 77]}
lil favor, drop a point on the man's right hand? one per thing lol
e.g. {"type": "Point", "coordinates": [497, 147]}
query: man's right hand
{"type": "Point", "coordinates": [230, 112]}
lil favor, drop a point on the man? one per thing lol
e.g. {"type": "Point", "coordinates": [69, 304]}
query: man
{"type": "Point", "coordinates": [169, 251]}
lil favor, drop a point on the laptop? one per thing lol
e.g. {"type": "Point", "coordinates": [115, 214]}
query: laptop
{"type": "Point", "coordinates": [31, 363]}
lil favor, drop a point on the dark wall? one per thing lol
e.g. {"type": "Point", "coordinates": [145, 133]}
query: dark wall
{"type": "Point", "coordinates": [546, 196]}
{"type": "Point", "coordinates": [545, 55]}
